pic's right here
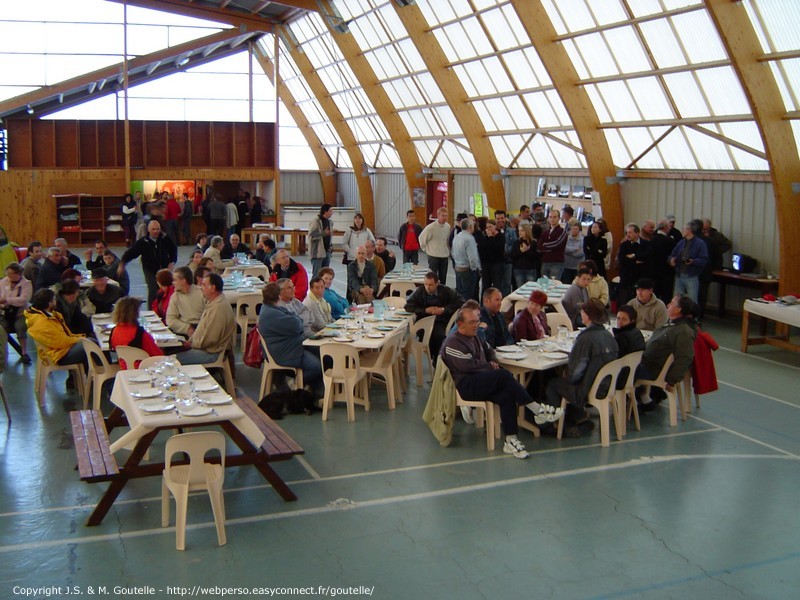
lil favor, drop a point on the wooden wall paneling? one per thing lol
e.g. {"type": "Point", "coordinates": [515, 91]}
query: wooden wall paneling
{"type": "Point", "coordinates": [107, 144]}
{"type": "Point", "coordinates": [43, 144]}
{"type": "Point", "coordinates": [87, 140]}
{"type": "Point", "coordinates": [178, 133]}
{"type": "Point", "coordinates": [155, 143]}
{"type": "Point", "coordinates": [67, 147]}
{"type": "Point", "coordinates": [243, 145]}
{"type": "Point", "coordinates": [265, 145]}
{"type": "Point", "coordinates": [136, 144]}
{"type": "Point", "coordinates": [200, 144]}
{"type": "Point", "coordinates": [19, 144]}
{"type": "Point", "coordinates": [222, 145]}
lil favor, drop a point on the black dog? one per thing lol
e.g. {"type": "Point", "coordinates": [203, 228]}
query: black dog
{"type": "Point", "coordinates": [294, 402]}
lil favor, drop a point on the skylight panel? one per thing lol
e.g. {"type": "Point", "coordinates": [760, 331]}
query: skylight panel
{"type": "Point", "coordinates": [470, 84]}
{"type": "Point", "coordinates": [620, 154]}
{"type": "Point", "coordinates": [663, 44]}
{"type": "Point", "coordinates": [745, 161]}
{"type": "Point", "coordinates": [447, 120]}
{"type": "Point", "coordinates": [521, 71]}
{"type": "Point", "coordinates": [414, 121]}
{"type": "Point", "coordinates": [687, 95]}
{"type": "Point", "coordinates": [516, 112]}
{"type": "Point", "coordinates": [428, 89]}
{"type": "Point", "coordinates": [699, 37]}
{"type": "Point", "coordinates": [744, 132]}
{"type": "Point", "coordinates": [541, 154]}
{"type": "Point", "coordinates": [607, 11]}
{"type": "Point", "coordinates": [650, 98]}
{"type": "Point", "coordinates": [411, 56]}
{"type": "Point", "coordinates": [626, 48]}
{"type": "Point", "coordinates": [501, 149]}
{"type": "Point", "coordinates": [724, 92]}
{"type": "Point", "coordinates": [576, 15]}
{"type": "Point", "coordinates": [676, 152]}
{"type": "Point", "coordinates": [460, 44]}
{"type": "Point", "coordinates": [596, 54]}
{"type": "Point", "coordinates": [618, 99]}
{"type": "Point", "coordinates": [502, 34]}
{"type": "Point", "coordinates": [576, 58]}
{"type": "Point", "coordinates": [455, 156]}
{"type": "Point", "coordinates": [711, 153]}
{"type": "Point", "coordinates": [541, 109]}
{"type": "Point", "coordinates": [780, 19]}
{"type": "Point", "coordinates": [485, 114]}
{"type": "Point", "coordinates": [399, 93]}
{"type": "Point", "coordinates": [425, 150]}
{"type": "Point", "coordinates": [787, 77]}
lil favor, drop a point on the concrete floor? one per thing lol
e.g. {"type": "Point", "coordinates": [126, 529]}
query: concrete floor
{"type": "Point", "coordinates": [705, 510]}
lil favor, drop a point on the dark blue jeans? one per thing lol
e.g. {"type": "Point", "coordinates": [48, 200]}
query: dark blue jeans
{"type": "Point", "coordinates": [466, 284]}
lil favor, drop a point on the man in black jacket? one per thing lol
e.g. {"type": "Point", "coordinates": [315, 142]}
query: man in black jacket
{"type": "Point", "coordinates": [157, 252]}
{"type": "Point", "coordinates": [433, 298]}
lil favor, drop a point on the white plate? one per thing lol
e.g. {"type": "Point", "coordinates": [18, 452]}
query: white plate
{"type": "Point", "coordinates": [554, 355]}
{"type": "Point", "coordinates": [157, 327]}
{"type": "Point", "coordinates": [156, 406]}
{"type": "Point", "coordinates": [375, 335]}
{"type": "Point", "coordinates": [512, 355]}
{"type": "Point", "coordinates": [195, 411]}
{"type": "Point", "coordinates": [532, 343]}
{"type": "Point", "coordinates": [199, 375]}
{"type": "Point", "coordinates": [507, 349]}
{"type": "Point", "coordinates": [218, 400]}
{"type": "Point", "coordinates": [342, 339]}
{"type": "Point", "coordinates": [147, 393]}
{"type": "Point", "coordinates": [139, 379]}
{"type": "Point", "coordinates": [206, 387]}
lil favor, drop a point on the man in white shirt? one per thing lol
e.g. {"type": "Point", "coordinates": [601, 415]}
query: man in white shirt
{"type": "Point", "coordinates": [318, 308]}
{"type": "Point", "coordinates": [186, 305]}
{"type": "Point", "coordinates": [433, 241]}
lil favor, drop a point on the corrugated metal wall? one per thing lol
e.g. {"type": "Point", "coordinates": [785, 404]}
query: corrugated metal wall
{"type": "Point", "coordinates": [391, 194]}
{"type": "Point", "coordinates": [301, 187]}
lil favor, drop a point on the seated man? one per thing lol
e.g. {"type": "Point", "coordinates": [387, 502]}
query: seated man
{"type": "Point", "coordinates": [576, 296]}
{"type": "Point", "coordinates": [51, 270]}
{"type": "Point", "coordinates": [362, 278]}
{"type": "Point", "coordinates": [287, 268]}
{"type": "Point", "coordinates": [493, 328]}
{"type": "Point", "coordinates": [102, 294]}
{"type": "Point", "coordinates": [15, 294]}
{"type": "Point", "coordinates": [33, 262]}
{"type": "Point", "coordinates": [101, 247]}
{"type": "Point", "coordinates": [293, 305]}
{"type": "Point", "coordinates": [380, 267]}
{"type": "Point", "coordinates": [676, 337]}
{"type": "Point", "coordinates": [318, 308]}
{"type": "Point", "coordinates": [651, 312]}
{"type": "Point", "coordinates": [477, 376]}
{"type": "Point", "coordinates": [593, 348]}
{"type": "Point", "coordinates": [433, 298]}
{"type": "Point", "coordinates": [214, 332]}
{"type": "Point", "coordinates": [339, 305]}
{"type": "Point", "coordinates": [70, 260]}
{"type": "Point", "coordinates": [70, 303]}
{"type": "Point", "coordinates": [111, 267]}
{"type": "Point", "coordinates": [626, 334]}
{"type": "Point", "coordinates": [186, 305]}
{"type": "Point", "coordinates": [388, 258]}
{"type": "Point", "coordinates": [214, 252]}
{"type": "Point", "coordinates": [283, 334]}
{"type": "Point", "coordinates": [265, 249]}
{"type": "Point", "coordinates": [46, 325]}
{"type": "Point", "coordinates": [233, 247]}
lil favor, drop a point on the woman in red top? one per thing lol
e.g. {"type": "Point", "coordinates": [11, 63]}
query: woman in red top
{"type": "Point", "coordinates": [164, 293]}
{"type": "Point", "coordinates": [128, 332]}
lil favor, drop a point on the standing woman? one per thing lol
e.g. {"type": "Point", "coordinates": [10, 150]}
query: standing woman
{"type": "Point", "coordinates": [524, 256]}
{"type": "Point", "coordinates": [573, 251]}
{"type": "Point", "coordinates": [355, 237]}
{"type": "Point", "coordinates": [130, 215]}
{"type": "Point", "coordinates": [609, 240]}
{"type": "Point", "coordinates": [595, 247]}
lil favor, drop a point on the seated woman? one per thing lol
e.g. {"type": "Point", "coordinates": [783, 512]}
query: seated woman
{"type": "Point", "coordinates": [163, 295]}
{"type": "Point", "coordinates": [128, 332]}
{"type": "Point", "coordinates": [46, 325]}
{"type": "Point", "coordinates": [339, 305]}
{"type": "Point", "coordinates": [629, 339]}
{"type": "Point", "coordinates": [598, 286]}
{"type": "Point", "coordinates": [199, 273]}
{"type": "Point", "coordinates": [531, 323]}
{"type": "Point", "coordinates": [194, 262]}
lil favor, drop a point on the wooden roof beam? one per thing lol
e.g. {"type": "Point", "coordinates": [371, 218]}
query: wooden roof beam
{"type": "Point", "coordinates": [763, 94]}
{"type": "Point", "coordinates": [249, 21]}
{"type": "Point", "coordinates": [453, 91]}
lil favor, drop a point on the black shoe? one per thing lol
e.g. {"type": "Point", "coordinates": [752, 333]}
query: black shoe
{"type": "Point", "coordinates": [26, 360]}
{"type": "Point", "coordinates": [646, 408]}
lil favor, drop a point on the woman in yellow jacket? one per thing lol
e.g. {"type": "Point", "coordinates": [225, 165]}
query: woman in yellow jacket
{"type": "Point", "coordinates": [46, 325]}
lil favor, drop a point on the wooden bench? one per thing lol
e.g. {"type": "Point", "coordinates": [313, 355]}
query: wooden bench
{"type": "Point", "coordinates": [278, 444]}
{"type": "Point", "coordinates": [95, 460]}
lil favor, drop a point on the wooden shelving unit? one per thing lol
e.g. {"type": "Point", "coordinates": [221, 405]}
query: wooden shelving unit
{"type": "Point", "coordinates": [82, 218]}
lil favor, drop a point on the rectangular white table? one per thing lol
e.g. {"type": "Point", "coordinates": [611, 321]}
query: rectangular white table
{"type": "Point", "coordinates": [785, 315]}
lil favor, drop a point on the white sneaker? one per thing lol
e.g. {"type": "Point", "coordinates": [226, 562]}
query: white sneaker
{"type": "Point", "coordinates": [466, 412]}
{"type": "Point", "coordinates": [515, 447]}
{"type": "Point", "coordinates": [548, 414]}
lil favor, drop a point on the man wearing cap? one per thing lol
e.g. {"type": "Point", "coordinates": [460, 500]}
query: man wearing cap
{"type": "Point", "coordinates": [651, 313]}
{"type": "Point", "coordinates": [594, 347]}
{"type": "Point", "coordinates": [103, 295]}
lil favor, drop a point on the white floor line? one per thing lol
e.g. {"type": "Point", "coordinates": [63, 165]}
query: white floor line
{"type": "Point", "coordinates": [307, 467]}
{"type": "Point", "coordinates": [755, 357]}
{"type": "Point", "coordinates": [478, 487]}
{"type": "Point", "coordinates": [755, 393]}
{"type": "Point", "coordinates": [318, 478]}
{"type": "Point", "coordinates": [747, 437]}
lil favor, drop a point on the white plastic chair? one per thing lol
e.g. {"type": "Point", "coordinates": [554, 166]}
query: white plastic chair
{"type": "Point", "coordinates": [222, 363]}
{"type": "Point", "coordinates": [419, 347]}
{"type": "Point", "coordinates": [556, 320]}
{"type": "Point", "coordinates": [341, 378]}
{"type": "Point", "coordinates": [197, 475]}
{"type": "Point", "coordinates": [519, 306]}
{"type": "Point", "coordinates": [130, 356]}
{"type": "Point", "coordinates": [486, 410]}
{"type": "Point", "coordinates": [609, 371]}
{"type": "Point", "coordinates": [269, 365]}
{"type": "Point", "coordinates": [154, 360]}
{"type": "Point", "coordinates": [451, 322]}
{"type": "Point", "coordinates": [100, 371]}
{"type": "Point", "coordinates": [626, 394]}
{"type": "Point", "coordinates": [382, 364]}
{"type": "Point", "coordinates": [247, 313]}
{"type": "Point", "coordinates": [672, 397]}
{"type": "Point", "coordinates": [43, 369]}
{"type": "Point", "coordinates": [400, 288]}
{"type": "Point", "coordinates": [260, 272]}
{"type": "Point", "coordinates": [396, 301]}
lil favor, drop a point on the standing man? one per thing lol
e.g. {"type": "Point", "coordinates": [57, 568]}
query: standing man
{"type": "Point", "coordinates": [216, 214]}
{"type": "Point", "coordinates": [673, 231]}
{"type": "Point", "coordinates": [551, 245]}
{"type": "Point", "coordinates": [663, 273]}
{"type": "Point", "coordinates": [156, 251]}
{"type": "Point", "coordinates": [648, 230]}
{"type": "Point", "coordinates": [689, 258]}
{"type": "Point", "coordinates": [433, 241]}
{"type": "Point", "coordinates": [466, 261]}
{"type": "Point", "coordinates": [717, 245]}
{"type": "Point", "coordinates": [408, 238]}
{"type": "Point", "coordinates": [172, 213]}
{"type": "Point", "coordinates": [319, 236]}
{"type": "Point", "coordinates": [634, 259]}
{"type": "Point", "coordinates": [215, 331]}
{"type": "Point", "coordinates": [510, 236]}
{"type": "Point", "coordinates": [478, 376]}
